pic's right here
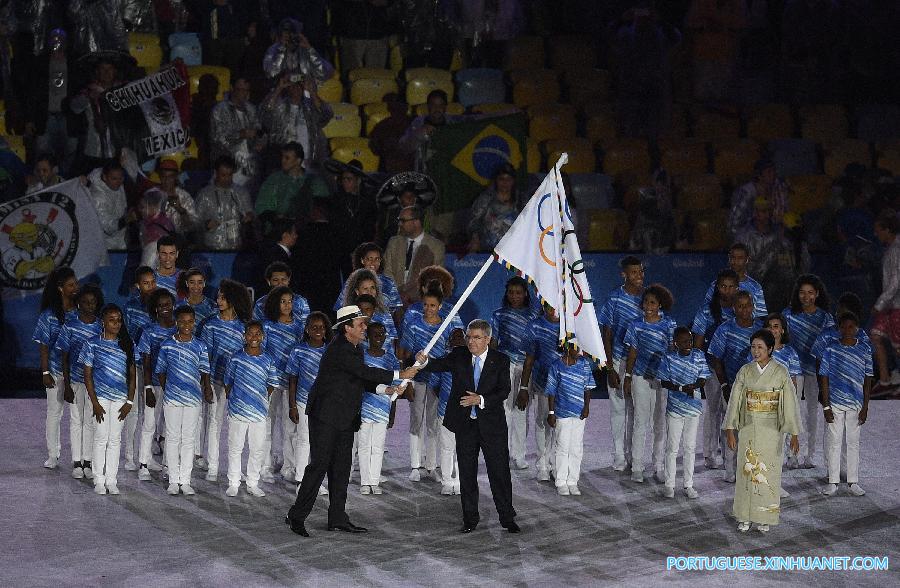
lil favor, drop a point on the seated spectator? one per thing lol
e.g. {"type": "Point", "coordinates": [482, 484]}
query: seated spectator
{"type": "Point", "coordinates": [416, 138]}
{"type": "Point", "coordinates": [766, 185]}
{"type": "Point", "coordinates": [294, 112]}
{"type": "Point", "coordinates": [494, 211]}
{"type": "Point", "coordinates": [655, 231]}
{"type": "Point", "coordinates": [235, 132]}
{"type": "Point", "coordinates": [153, 225]}
{"type": "Point", "coordinates": [363, 27]}
{"type": "Point", "coordinates": [221, 33]}
{"type": "Point", "coordinates": [410, 251]}
{"type": "Point", "coordinates": [224, 209]}
{"type": "Point", "coordinates": [108, 195]}
{"type": "Point", "coordinates": [290, 191]}
{"type": "Point", "coordinates": [293, 54]}
{"type": "Point", "coordinates": [384, 140]}
{"type": "Point", "coordinates": [398, 192]}
{"type": "Point", "coordinates": [45, 174]}
{"type": "Point", "coordinates": [97, 146]}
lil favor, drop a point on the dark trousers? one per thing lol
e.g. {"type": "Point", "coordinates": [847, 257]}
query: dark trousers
{"type": "Point", "coordinates": [469, 441]}
{"type": "Point", "coordinates": [330, 453]}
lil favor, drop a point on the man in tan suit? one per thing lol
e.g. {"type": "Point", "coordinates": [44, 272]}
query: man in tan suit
{"type": "Point", "coordinates": [409, 252]}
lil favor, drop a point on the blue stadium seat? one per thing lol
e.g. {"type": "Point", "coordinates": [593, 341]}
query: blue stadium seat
{"type": "Point", "coordinates": [187, 47]}
{"type": "Point", "coordinates": [480, 85]}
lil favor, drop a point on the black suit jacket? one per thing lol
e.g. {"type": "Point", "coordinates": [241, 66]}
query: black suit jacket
{"type": "Point", "coordinates": [336, 395]}
{"type": "Point", "coordinates": [493, 385]}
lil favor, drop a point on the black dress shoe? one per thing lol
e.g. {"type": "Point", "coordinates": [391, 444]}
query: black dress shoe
{"type": "Point", "coordinates": [512, 527]}
{"type": "Point", "coordinates": [297, 528]}
{"type": "Point", "coordinates": [348, 527]}
{"type": "Point", "coordinates": [468, 528]}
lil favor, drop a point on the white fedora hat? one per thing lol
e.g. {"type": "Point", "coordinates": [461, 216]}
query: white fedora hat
{"type": "Point", "coordinates": [347, 314]}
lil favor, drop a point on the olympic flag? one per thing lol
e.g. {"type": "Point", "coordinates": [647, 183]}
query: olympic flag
{"type": "Point", "coordinates": [541, 245]}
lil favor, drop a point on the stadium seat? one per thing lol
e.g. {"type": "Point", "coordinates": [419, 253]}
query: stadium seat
{"type": "Point", "coordinates": [524, 52]}
{"type": "Point", "coordinates": [370, 73]}
{"type": "Point", "coordinates": [889, 160]}
{"type": "Point", "coordinates": [187, 47]}
{"type": "Point", "coordinates": [677, 125]}
{"type": "Point", "coordinates": [536, 86]}
{"type": "Point", "coordinates": [346, 148]}
{"type": "Point", "coordinates": [794, 157]}
{"type": "Point", "coordinates": [701, 192]}
{"type": "Point", "coordinates": [532, 157]}
{"type": "Point", "coordinates": [590, 191]}
{"type": "Point", "coordinates": [572, 51]}
{"type": "Point", "coordinates": [494, 108]}
{"type": "Point", "coordinates": [582, 159]}
{"type": "Point", "coordinates": [684, 156]}
{"type": "Point", "coordinates": [395, 58]}
{"type": "Point", "coordinates": [368, 90]}
{"type": "Point", "coordinates": [3, 129]}
{"type": "Point", "coordinates": [195, 72]}
{"type": "Point", "coordinates": [346, 121]}
{"type": "Point", "coordinates": [480, 85]}
{"type": "Point", "coordinates": [331, 90]}
{"type": "Point", "coordinates": [454, 108]}
{"type": "Point", "coordinates": [809, 192]}
{"type": "Point", "coordinates": [428, 73]}
{"type": "Point", "coordinates": [374, 113]}
{"type": "Point", "coordinates": [712, 126]}
{"type": "Point", "coordinates": [600, 126]}
{"type": "Point", "coordinates": [145, 49]}
{"type": "Point", "coordinates": [733, 160]}
{"type": "Point", "coordinates": [417, 89]}
{"type": "Point", "coordinates": [608, 230]}
{"type": "Point", "coordinates": [709, 233]}
{"type": "Point", "coordinates": [877, 122]}
{"type": "Point", "coordinates": [824, 123]}
{"type": "Point", "coordinates": [551, 121]}
{"type": "Point", "coordinates": [626, 156]}
{"type": "Point", "coordinates": [586, 85]}
{"type": "Point", "coordinates": [16, 144]}
{"type": "Point", "coordinates": [839, 155]}
{"type": "Point", "coordinates": [769, 121]}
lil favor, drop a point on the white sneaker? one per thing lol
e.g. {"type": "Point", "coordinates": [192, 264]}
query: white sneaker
{"type": "Point", "coordinates": [562, 490]}
{"type": "Point", "coordinates": [829, 489]}
{"type": "Point", "coordinates": [691, 493]}
{"type": "Point", "coordinates": [856, 490]}
{"type": "Point", "coordinates": [255, 491]}
{"type": "Point", "coordinates": [267, 477]}
{"type": "Point", "coordinates": [77, 473]}
{"type": "Point", "coordinates": [112, 489]}
{"type": "Point", "coordinates": [365, 490]}
{"type": "Point", "coordinates": [172, 489]}
{"type": "Point", "coordinates": [785, 493]}
{"type": "Point", "coordinates": [762, 528]}
{"type": "Point", "coordinates": [212, 477]}
{"type": "Point", "coordinates": [456, 489]}
{"type": "Point", "coordinates": [637, 476]}
{"type": "Point", "coordinates": [415, 475]}
{"type": "Point", "coordinates": [377, 490]}
{"type": "Point", "coordinates": [51, 463]}
{"type": "Point", "coordinates": [719, 462]}
{"type": "Point", "coordinates": [521, 464]}
{"type": "Point", "coordinates": [154, 466]}
{"type": "Point", "coordinates": [730, 478]}
{"type": "Point", "coordinates": [543, 476]}
{"type": "Point", "coordinates": [99, 489]}
{"type": "Point", "coordinates": [573, 490]}
{"type": "Point", "coordinates": [232, 491]}
{"type": "Point", "coordinates": [88, 473]}
{"type": "Point", "coordinates": [130, 466]}
{"type": "Point", "coordinates": [200, 463]}
{"type": "Point", "coordinates": [323, 491]}
{"type": "Point", "coordinates": [187, 490]}
{"type": "Point", "coordinates": [447, 489]}
{"type": "Point", "coordinates": [144, 475]}
{"type": "Point", "coordinates": [619, 465]}
{"type": "Point", "coordinates": [743, 527]}
{"type": "Point", "coordinates": [434, 475]}
{"type": "Point", "coordinates": [668, 492]}
{"type": "Point", "coordinates": [287, 473]}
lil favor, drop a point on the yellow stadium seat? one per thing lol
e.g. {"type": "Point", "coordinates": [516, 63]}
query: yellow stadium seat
{"type": "Point", "coordinates": [192, 149]}
{"type": "Point", "coordinates": [684, 156]}
{"type": "Point", "coordinates": [346, 148]}
{"type": "Point", "coordinates": [572, 51]}
{"type": "Point", "coordinates": [395, 58]}
{"type": "Point", "coordinates": [824, 123]}
{"type": "Point", "coordinates": [417, 90]}
{"type": "Point", "coordinates": [711, 126]}
{"type": "Point", "coordinates": [346, 121]}
{"type": "Point", "coordinates": [770, 121]}
{"type": "Point", "coordinates": [428, 73]}
{"type": "Point", "coordinates": [331, 90]}
{"type": "Point", "coordinates": [733, 160]}
{"type": "Point", "coordinates": [551, 121]}
{"type": "Point", "coordinates": [626, 156]}
{"type": "Point", "coordinates": [145, 49]}
{"type": "Point", "coordinates": [677, 125]}
{"type": "Point", "coordinates": [534, 87]}
{"type": "Point", "coordinates": [195, 72]}
{"type": "Point", "coordinates": [3, 129]}
{"type": "Point", "coordinates": [839, 155]}
{"type": "Point", "coordinates": [523, 52]}
{"type": "Point", "coordinates": [494, 108]}
{"type": "Point", "coordinates": [454, 108]}
{"type": "Point", "coordinates": [581, 155]}
{"type": "Point", "coordinates": [456, 61]}
{"type": "Point", "coordinates": [600, 127]}
{"type": "Point", "coordinates": [890, 160]}
{"type": "Point", "coordinates": [608, 230]}
{"type": "Point", "coordinates": [17, 146]}
{"type": "Point", "coordinates": [532, 157]}
{"type": "Point", "coordinates": [810, 192]}
{"type": "Point", "coordinates": [586, 85]}
{"type": "Point", "coordinates": [567, 144]}
{"type": "Point", "coordinates": [370, 73]}
{"type": "Point", "coordinates": [702, 192]}
{"type": "Point", "coordinates": [709, 233]}
{"type": "Point", "coordinates": [371, 90]}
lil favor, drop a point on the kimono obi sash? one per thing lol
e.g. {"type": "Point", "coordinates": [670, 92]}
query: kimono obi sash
{"type": "Point", "coordinates": [763, 401]}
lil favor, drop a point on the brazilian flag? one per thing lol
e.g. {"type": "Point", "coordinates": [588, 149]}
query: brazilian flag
{"type": "Point", "coordinates": [463, 157]}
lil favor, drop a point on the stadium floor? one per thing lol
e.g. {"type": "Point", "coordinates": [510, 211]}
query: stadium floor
{"type": "Point", "coordinates": [60, 533]}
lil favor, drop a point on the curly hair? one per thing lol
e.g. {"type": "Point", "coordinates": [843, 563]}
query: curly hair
{"type": "Point", "coordinates": [364, 249]}
{"type": "Point", "coordinates": [272, 308]}
{"type": "Point", "coordinates": [183, 277]}
{"type": "Point", "coordinates": [436, 272]}
{"type": "Point", "coordinates": [90, 289]}
{"type": "Point", "coordinates": [521, 283]}
{"type": "Point", "coordinates": [822, 301]}
{"type": "Point", "coordinates": [356, 278]}
{"type": "Point", "coordinates": [52, 295]}
{"type": "Point", "coordinates": [153, 301]}
{"type": "Point", "coordinates": [662, 295]}
{"type": "Point", "coordinates": [777, 316]}
{"type": "Point", "coordinates": [318, 315]}
{"type": "Point", "coordinates": [238, 297]}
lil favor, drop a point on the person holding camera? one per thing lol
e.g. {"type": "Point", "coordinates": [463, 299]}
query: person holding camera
{"type": "Point", "coordinates": [294, 54]}
{"type": "Point", "coordinates": [293, 111]}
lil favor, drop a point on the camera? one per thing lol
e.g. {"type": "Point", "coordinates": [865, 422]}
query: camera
{"type": "Point", "coordinates": [295, 78]}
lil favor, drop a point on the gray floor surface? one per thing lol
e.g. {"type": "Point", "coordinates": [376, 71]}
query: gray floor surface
{"type": "Point", "coordinates": [58, 532]}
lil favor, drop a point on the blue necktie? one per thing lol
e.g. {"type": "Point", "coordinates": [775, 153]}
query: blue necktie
{"type": "Point", "coordinates": [474, 414]}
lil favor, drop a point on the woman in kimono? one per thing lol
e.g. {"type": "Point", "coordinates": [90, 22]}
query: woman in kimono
{"type": "Point", "coordinates": [762, 409]}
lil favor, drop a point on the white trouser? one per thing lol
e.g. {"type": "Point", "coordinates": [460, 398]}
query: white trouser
{"type": "Point", "coordinates": [272, 423]}
{"type": "Point", "coordinates": [809, 412]}
{"type": "Point", "coordinates": [712, 420]}
{"type": "Point", "coordinates": [200, 431]}
{"type": "Point", "coordinates": [287, 432]}
{"type": "Point", "coordinates": [255, 435]}
{"type": "Point", "coordinates": [371, 452]}
{"type": "Point", "coordinates": [845, 421]}
{"type": "Point", "coordinates": [180, 424]}
{"type": "Point", "coordinates": [543, 433]}
{"type": "Point", "coordinates": [659, 430]}
{"type": "Point", "coordinates": [681, 431]}
{"type": "Point", "coordinates": [569, 447]}
{"type": "Point", "coordinates": [214, 425]}
{"type": "Point", "coordinates": [643, 396]}
{"type": "Point", "coordinates": [620, 412]}
{"type": "Point", "coordinates": [55, 402]}
{"type": "Point", "coordinates": [516, 420]}
{"type": "Point", "coordinates": [423, 430]}
{"type": "Point", "coordinates": [81, 424]}
{"type": "Point", "coordinates": [107, 444]}
{"type": "Point", "coordinates": [132, 440]}
{"type": "Point", "coordinates": [301, 443]}
{"type": "Point", "coordinates": [449, 463]}
{"type": "Point", "coordinates": [148, 425]}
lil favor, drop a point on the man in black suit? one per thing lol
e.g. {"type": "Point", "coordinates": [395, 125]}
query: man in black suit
{"type": "Point", "coordinates": [334, 406]}
{"type": "Point", "coordinates": [281, 237]}
{"type": "Point", "coordinates": [475, 414]}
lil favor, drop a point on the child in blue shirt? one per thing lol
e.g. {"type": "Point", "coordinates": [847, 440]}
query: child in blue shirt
{"type": "Point", "coordinates": [109, 375]}
{"type": "Point", "coordinates": [683, 374]}
{"type": "Point", "coordinates": [250, 378]}
{"type": "Point", "coordinates": [845, 378]}
{"type": "Point", "coordinates": [569, 385]}
{"type": "Point", "coordinates": [183, 371]}
{"type": "Point", "coordinates": [137, 317]}
{"type": "Point", "coordinates": [278, 274]}
{"type": "Point", "coordinates": [191, 288]}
